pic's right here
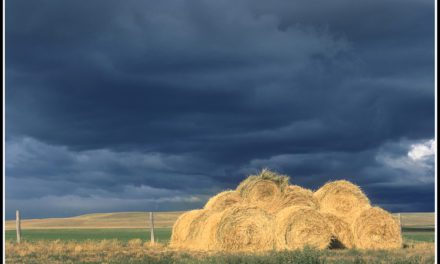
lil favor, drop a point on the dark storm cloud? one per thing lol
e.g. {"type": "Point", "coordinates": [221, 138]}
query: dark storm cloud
{"type": "Point", "coordinates": [104, 168]}
{"type": "Point", "coordinates": [189, 96]}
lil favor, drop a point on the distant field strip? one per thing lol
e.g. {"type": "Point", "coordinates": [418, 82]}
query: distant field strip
{"type": "Point", "coordinates": [410, 221]}
{"type": "Point", "coordinates": [417, 220]}
{"type": "Point", "coordinates": [103, 220]}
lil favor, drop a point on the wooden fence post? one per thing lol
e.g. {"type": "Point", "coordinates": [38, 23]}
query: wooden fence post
{"type": "Point", "coordinates": [151, 228]}
{"type": "Point", "coordinates": [400, 222]}
{"type": "Point", "coordinates": [18, 226]}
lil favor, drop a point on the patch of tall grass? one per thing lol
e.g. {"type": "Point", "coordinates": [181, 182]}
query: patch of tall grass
{"type": "Point", "coordinates": [138, 251]}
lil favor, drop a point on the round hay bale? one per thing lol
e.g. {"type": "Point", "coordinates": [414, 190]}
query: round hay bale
{"type": "Point", "coordinates": [207, 239]}
{"type": "Point", "coordinates": [182, 228]}
{"type": "Point", "coordinates": [297, 227]}
{"type": "Point", "coordinates": [222, 200]}
{"type": "Point", "coordinates": [295, 195]}
{"type": "Point", "coordinates": [201, 231]}
{"type": "Point", "coordinates": [195, 232]}
{"type": "Point", "coordinates": [341, 231]}
{"type": "Point", "coordinates": [245, 228]}
{"type": "Point", "coordinates": [342, 199]}
{"type": "Point", "coordinates": [375, 228]}
{"type": "Point", "coordinates": [264, 190]}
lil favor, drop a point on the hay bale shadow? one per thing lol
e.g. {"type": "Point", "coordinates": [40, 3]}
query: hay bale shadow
{"type": "Point", "coordinates": [336, 244]}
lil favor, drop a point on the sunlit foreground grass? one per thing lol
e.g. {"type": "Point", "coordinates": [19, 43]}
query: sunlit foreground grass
{"type": "Point", "coordinates": [137, 251]}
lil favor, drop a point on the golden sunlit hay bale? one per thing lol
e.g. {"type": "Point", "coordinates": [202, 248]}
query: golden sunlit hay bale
{"type": "Point", "coordinates": [297, 227]}
{"type": "Point", "coordinates": [341, 231]}
{"type": "Point", "coordinates": [295, 195]}
{"type": "Point", "coordinates": [222, 200]}
{"type": "Point", "coordinates": [342, 199]}
{"type": "Point", "coordinates": [263, 190]}
{"type": "Point", "coordinates": [202, 231]}
{"type": "Point", "coordinates": [245, 228]}
{"type": "Point", "coordinates": [182, 228]}
{"type": "Point", "coordinates": [208, 235]}
{"type": "Point", "coordinates": [375, 228]}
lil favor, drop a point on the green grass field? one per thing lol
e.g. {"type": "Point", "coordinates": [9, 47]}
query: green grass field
{"type": "Point", "coordinates": [161, 234]}
{"type": "Point", "coordinates": [122, 234]}
{"type": "Point", "coordinates": [425, 236]}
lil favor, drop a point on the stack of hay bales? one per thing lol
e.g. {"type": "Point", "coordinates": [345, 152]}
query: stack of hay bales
{"type": "Point", "coordinates": [266, 213]}
{"type": "Point", "coordinates": [354, 221]}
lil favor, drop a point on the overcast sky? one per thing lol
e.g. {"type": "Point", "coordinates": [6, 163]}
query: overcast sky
{"type": "Point", "coordinates": [157, 105]}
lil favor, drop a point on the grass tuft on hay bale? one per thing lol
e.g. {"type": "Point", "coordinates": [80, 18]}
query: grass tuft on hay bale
{"type": "Point", "coordinates": [264, 190]}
